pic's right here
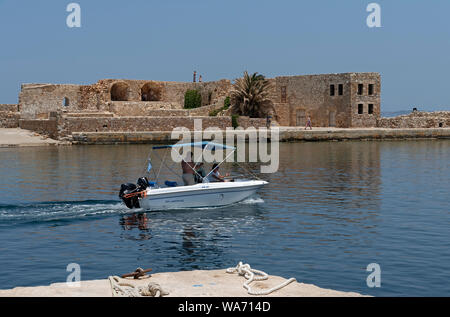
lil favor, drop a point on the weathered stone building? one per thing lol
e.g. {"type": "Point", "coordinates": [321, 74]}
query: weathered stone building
{"type": "Point", "coordinates": [114, 105]}
{"type": "Point", "coordinates": [331, 100]}
{"type": "Point", "coordinates": [341, 100]}
{"type": "Point", "coordinates": [120, 97]}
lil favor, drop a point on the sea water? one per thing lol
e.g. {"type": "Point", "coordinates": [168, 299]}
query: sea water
{"type": "Point", "coordinates": [332, 209]}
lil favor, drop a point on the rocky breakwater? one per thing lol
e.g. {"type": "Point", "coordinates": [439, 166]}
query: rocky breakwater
{"type": "Point", "coordinates": [417, 119]}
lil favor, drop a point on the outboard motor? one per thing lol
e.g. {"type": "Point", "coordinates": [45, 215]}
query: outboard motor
{"type": "Point", "coordinates": [129, 188]}
{"type": "Point", "coordinates": [132, 201]}
{"type": "Point", "coordinates": [142, 183]}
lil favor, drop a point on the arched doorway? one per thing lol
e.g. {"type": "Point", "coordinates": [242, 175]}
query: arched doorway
{"type": "Point", "coordinates": [151, 92]}
{"type": "Point", "coordinates": [65, 102]}
{"type": "Point", "coordinates": [119, 92]}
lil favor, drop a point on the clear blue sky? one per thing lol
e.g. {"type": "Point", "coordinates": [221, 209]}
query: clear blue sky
{"type": "Point", "coordinates": [167, 40]}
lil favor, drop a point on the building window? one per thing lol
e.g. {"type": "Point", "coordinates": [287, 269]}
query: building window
{"type": "Point", "coordinates": [340, 89]}
{"type": "Point", "coordinates": [370, 110]}
{"type": "Point", "coordinates": [370, 89]}
{"type": "Point", "coordinates": [360, 89]}
{"type": "Point", "coordinates": [331, 90]}
{"type": "Point", "coordinates": [283, 94]}
{"type": "Point", "coordinates": [65, 102]}
{"type": "Point", "coordinates": [360, 108]}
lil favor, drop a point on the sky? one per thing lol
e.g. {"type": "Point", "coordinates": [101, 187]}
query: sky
{"type": "Point", "coordinates": [168, 40]}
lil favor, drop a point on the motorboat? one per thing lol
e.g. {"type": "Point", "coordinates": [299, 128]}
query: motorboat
{"type": "Point", "coordinates": [150, 195]}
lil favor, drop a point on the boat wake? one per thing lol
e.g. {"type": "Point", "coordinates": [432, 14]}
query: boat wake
{"type": "Point", "coordinates": [252, 200]}
{"type": "Point", "coordinates": [51, 211]}
{"type": "Point", "coordinates": [69, 210]}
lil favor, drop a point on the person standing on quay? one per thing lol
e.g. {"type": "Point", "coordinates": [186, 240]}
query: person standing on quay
{"type": "Point", "coordinates": [308, 123]}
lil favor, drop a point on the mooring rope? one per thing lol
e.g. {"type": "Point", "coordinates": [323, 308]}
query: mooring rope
{"type": "Point", "coordinates": [256, 275]}
{"type": "Point", "coordinates": [124, 289]}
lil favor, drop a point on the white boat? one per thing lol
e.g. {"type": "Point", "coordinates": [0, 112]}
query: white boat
{"type": "Point", "coordinates": [199, 195]}
{"type": "Point", "coordinates": [151, 196]}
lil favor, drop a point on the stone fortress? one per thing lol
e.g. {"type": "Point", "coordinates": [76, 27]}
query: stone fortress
{"type": "Point", "coordinates": [347, 100]}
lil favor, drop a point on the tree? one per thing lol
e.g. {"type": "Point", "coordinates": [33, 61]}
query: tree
{"type": "Point", "coordinates": [249, 97]}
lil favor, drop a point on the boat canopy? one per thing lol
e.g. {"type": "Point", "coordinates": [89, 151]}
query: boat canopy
{"type": "Point", "coordinates": [211, 145]}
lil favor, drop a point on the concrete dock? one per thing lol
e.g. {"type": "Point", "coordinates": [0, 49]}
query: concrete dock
{"type": "Point", "coordinates": [211, 283]}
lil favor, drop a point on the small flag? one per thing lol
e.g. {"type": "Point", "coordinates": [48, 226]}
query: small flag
{"type": "Point", "coordinates": [149, 167]}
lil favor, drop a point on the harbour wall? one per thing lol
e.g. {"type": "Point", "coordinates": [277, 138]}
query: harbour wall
{"type": "Point", "coordinates": [285, 135]}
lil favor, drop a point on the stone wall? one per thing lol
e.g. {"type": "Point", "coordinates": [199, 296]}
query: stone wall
{"type": "Point", "coordinates": [247, 122]}
{"type": "Point", "coordinates": [47, 127]}
{"type": "Point", "coordinates": [37, 100]}
{"type": "Point", "coordinates": [68, 125]}
{"type": "Point", "coordinates": [9, 108]}
{"type": "Point", "coordinates": [205, 110]}
{"type": "Point", "coordinates": [9, 116]}
{"type": "Point", "coordinates": [417, 119]}
{"type": "Point", "coordinates": [143, 108]}
{"type": "Point", "coordinates": [159, 109]}
{"type": "Point", "coordinates": [120, 96]}
{"type": "Point", "coordinates": [365, 99]}
{"type": "Point", "coordinates": [285, 134]}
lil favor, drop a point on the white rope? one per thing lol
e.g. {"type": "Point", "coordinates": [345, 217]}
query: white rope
{"type": "Point", "coordinates": [123, 289]}
{"type": "Point", "coordinates": [256, 275]}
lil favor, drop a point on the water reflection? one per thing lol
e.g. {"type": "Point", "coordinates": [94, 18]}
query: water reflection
{"type": "Point", "coordinates": [136, 221]}
{"type": "Point", "coordinates": [194, 237]}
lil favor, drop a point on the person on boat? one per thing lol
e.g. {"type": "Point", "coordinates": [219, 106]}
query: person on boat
{"type": "Point", "coordinates": [187, 165]}
{"type": "Point", "coordinates": [215, 175]}
{"type": "Point", "coordinates": [199, 173]}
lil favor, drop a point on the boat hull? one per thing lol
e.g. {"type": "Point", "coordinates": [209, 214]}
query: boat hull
{"type": "Point", "coordinates": [199, 195]}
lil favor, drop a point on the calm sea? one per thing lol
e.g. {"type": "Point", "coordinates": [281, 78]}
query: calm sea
{"type": "Point", "coordinates": [331, 210]}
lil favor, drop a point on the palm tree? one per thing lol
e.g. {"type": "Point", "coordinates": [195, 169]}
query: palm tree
{"type": "Point", "coordinates": [249, 97]}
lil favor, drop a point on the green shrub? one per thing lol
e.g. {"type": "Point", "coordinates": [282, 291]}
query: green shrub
{"type": "Point", "coordinates": [234, 120]}
{"type": "Point", "coordinates": [192, 99]}
{"type": "Point", "coordinates": [226, 103]}
{"type": "Point", "coordinates": [214, 113]}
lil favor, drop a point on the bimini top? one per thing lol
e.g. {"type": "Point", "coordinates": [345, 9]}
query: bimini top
{"type": "Point", "coordinates": [211, 145]}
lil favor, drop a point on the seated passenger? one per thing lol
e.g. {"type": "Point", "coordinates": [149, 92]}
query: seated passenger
{"type": "Point", "coordinates": [199, 173]}
{"type": "Point", "coordinates": [215, 175]}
